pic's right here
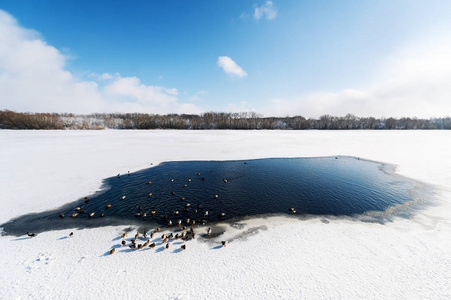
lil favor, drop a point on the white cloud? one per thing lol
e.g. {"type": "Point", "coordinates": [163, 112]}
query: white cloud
{"type": "Point", "coordinates": [230, 67]}
{"type": "Point", "coordinates": [33, 78]}
{"type": "Point", "coordinates": [414, 81]}
{"type": "Point", "coordinates": [266, 10]}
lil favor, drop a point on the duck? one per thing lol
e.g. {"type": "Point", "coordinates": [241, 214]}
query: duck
{"type": "Point", "coordinates": [189, 180]}
{"type": "Point", "coordinates": [30, 234]}
{"type": "Point", "coordinates": [183, 247]}
{"type": "Point", "coordinates": [215, 196]}
{"type": "Point", "coordinates": [176, 212]}
{"type": "Point", "coordinates": [187, 205]}
{"type": "Point", "coordinates": [82, 212]}
{"type": "Point", "coordinates": [185, 209]}
{"type": "Point", "coordinates": [78, 208]}
{"type": "Point", "coordinates": [203, 179]}
{"type": "Point", "coordinates": [152, 245]}
{"type": "Point", "coordinates": [108, 205]}
{"type": "Point", "coordinates": [138, 214]}
{"type": "Point", "coordinates": [123, 243]}
{"type": "Point", "coordinates": [91, 214]}
{"type": "Point", "coordinates": [144, 215]}
{"type": "Point", "coordinates": [74, 215]}
{"type": "Point", "coordinates": [209, 231]}
{"type": "Point", "coordinates": [86, 199]}
{"type": "Point", "coordinates": [102, 215]}
{"type": "Point", "coordinates": [225, 180]}
{"type": "Point", "coordinates": [182, 198]}
{"type": "Point", "coordinates": [195, 211]}
{"type": "Point", "coordinates": [112, 251]}
{"type": "Point", "coordinates": [172, 180]}
{"type": "Point", "coordinates": [224, 243]}
{"type": "Point", "coordinates": [185, 185]}
{"type": "Point", "coordinates": [139, 208]}
{"type": "Point", "coordinates": [123, 197]}
{"type": "Point", "coordinates": [291, 209]}
{"type": "Point", "coordinates": [150, 194]}
{"type": "Point", "coordinates": [165, 241]}
{"type": "Point", "coordinates": [221, 215]}
{"type": "Point", "coordinates": [61, 215]}
{"type": "Point", "coordinates": [149, 182]}
{"type": "Point", "coordinates": [153, 212]}
{"type": "Point", "coordinates": [172, 193]}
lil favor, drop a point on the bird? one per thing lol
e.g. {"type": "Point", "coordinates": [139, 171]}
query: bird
{"type": "Point", "coordinates": [184, 228]}
{"type": "Point", "coordinates": [172, 180]}
{"type": "Point", "coordinates": [185, 185]}
{"type": "Point", "coordinates": [82, 211]}
{"type": "Point", "coordinates": [198, 174]}
{"type": "Point", "coordinates": [61, 215]}
{"type": "Point", "coordinates": [123, 243]}
{"type": "Point", "coordinates": [108, 205]}
{"type": "Point", "coordinates": [291, 209]}
{"type": "Point", "coordinates": [245, 163]}
{"type": "Point", "coordinates": [71, 234]}
{"type": "Point", "coordinates": [225, 180]}
{"type": "Point", "coordinates": [179, 222]}
{"type": "Point", "coordinates": [139, 208]}
{"type": "Point", "coordinates": [203, 179]}
{"type": "Point", "coordinates": [215, 196]}
{"type": "Point", "coordinates": [91, 214]}
{"type": "Point", "coordinates": [123, 197]}
{"type": "Point", "coordinates": [124, 235]}
{"type": "Point", "coordinates": [118, 175]}
{"type": "Point", "coordinates": [170, 223]}
{"type": "Point", "coordinates": [144, 215]}
{"type": "Point", "coordinates": [132, 246]}
{"type": "Point", "coordinates": [176, 212]}
{"type": "Point", "coordinates": [206, 213]}
{"type": "Point", "coordinates": [77, 209]}
{"type": "Point", "coordinates": [74, 215]}
{"type": "Point", "coordinates": [189, 180]}
{"type": "Point", "coordinates": [150, 194]}
{"type": "Point", "coordinates": [30, 234]}
{"type": "Point", "coordinates": [140, 246]}
{"type": "Point", "coordinates": [146, 244]}
{"type": "Point", "coordinates": [86, 199]}
{"type": "Point", "coordinates": [187, 205]}
{"type": "Point", "coordinates": [136, 235]}
{"type": "Point", "coordinates": [163, 236]}
{"type": "Point", "coordinates": [112, 251]}
{"type": "Point", "coordinates": [152, 245]}
{"type": "Point", "coordinates": [176, 236]}
{"type": "Point", "coordinates": [149, 182]}
{"type": "Point", "coordinates": [128, 173]}
{"type": "Point", "coordinates": [158, 229]}
{"type": "Point", "coordinates": [183, 247]}
{"type": "Point", "coordinates": [101, 215]}
{"type": "Point", "coordinates": [167, 246]}
{"type": "Point", "coordinates": [151, 235]}
{"type": "Point", "coordinates": [188, 221]}
{"type": "Point", "coordinates": [209, 231]}
{"type": "Point", "coordinates": [224, 243]}
{"type": "Point", "coordinates": [172, 193]}
{"type": "Point", "coordinates": [194, 235]}
{"type": "Point", "coordinates": [221, 215]}
{"type": "Point", "coordinates": [145, 234]}
{"type": "Point", "coordinates": [182, 198]}
{"type": "Point", "coordinates": [153, 212]}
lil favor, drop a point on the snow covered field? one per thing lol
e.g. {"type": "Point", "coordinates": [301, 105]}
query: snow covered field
{"type": "Point", "coordinates": [286, 259]}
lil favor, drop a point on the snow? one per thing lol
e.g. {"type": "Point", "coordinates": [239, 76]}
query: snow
{"type": "Point", "coordinates": [277, 257]}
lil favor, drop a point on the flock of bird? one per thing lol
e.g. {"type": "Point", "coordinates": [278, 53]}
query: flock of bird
{"type": "Point", "coordinates": [182, 233]}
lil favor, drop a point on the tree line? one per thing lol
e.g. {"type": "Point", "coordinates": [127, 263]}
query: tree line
{"type": "Point", "coordinates": [209, 120]}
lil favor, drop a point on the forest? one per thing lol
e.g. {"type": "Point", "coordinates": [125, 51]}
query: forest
{"type": "Point", "coordinates": [209, 120]}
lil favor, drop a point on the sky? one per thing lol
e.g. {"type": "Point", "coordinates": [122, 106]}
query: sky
{"type": "Point", "coordinates": [278, 58]}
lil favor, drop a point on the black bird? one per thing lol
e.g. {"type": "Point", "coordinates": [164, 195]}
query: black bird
{"type": "Point", "coordinates": [71, 234]}
{"type": "Point", "coordinates": [224, 243]}
{"type": "Point", "coordinates": [118, 176]}
{"type": "Point", "coordinates": [183, 247]}
{"type": "Point", "coordinates": [167, 246]}
{"type": "Point", "coordinates": [30, 234]}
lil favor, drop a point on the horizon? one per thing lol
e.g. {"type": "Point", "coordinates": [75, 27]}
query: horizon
{"type": "Point", "coordinates": [274, 58]}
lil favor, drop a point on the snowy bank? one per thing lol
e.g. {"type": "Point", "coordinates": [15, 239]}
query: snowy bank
{"type": "Point", "coordinates": [288, 258]}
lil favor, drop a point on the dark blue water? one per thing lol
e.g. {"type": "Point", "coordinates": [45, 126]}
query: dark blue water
{"type": "Point", "coordinates": [342, 186]}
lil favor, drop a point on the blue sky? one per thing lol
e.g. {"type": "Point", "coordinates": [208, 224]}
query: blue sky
{"type": "Point", "coordinates": [283, 57]}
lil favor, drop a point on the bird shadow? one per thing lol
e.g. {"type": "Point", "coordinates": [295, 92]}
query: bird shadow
{"type": "Point", "coordinates": [177, 250]}
{"type": "Point", "coordinates": [177, 243]}
{"type": "Point", "coordinates": [62, 238]}
{"type": "Point", "coordinates": [21, 239]}
{"type": "Point", "coordinates": [126, 250]}
{"type": "Point", "coordinates": [116, 238]}
{"type": "Point", "coordinates": [216, 248]}
{"type": "Point", "coordinates": [106, 253]}
{"type": "Point", "coordinates": [159, 250]}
